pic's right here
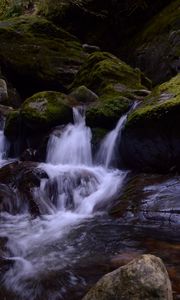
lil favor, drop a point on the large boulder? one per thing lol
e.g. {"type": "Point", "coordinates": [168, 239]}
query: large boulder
{"type": "Point", "coordinates": [36, 55]}
{"type": "Point", "coordinates": [116, 84]}
{"type": "Point", "coordinates": [151, 140]}
{"type": "Point", "coordinates": [156, 50]}
{"type": "Point", "coordinates": [143, 278]}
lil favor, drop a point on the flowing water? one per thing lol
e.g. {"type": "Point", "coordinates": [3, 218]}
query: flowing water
{"type": "Point", "coordinates": [74, 195]}
{"type": "Point", "coordinates": [3, 145]}
{"type": "Point", "coordinates": [61, 253]}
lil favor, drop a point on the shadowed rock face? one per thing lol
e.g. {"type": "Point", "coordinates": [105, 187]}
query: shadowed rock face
{"type": "Point", "coordinates": [107, 23]}
{"type": "Point", "coordinates": [156, 49]}
{"type": "Point", "coordinates": [151, 140]}
{"type": "Point", "coordinates": [143, 278]}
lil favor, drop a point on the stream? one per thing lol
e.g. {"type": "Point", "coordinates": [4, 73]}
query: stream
{"type": "Point", "coordinates": [86, 227]}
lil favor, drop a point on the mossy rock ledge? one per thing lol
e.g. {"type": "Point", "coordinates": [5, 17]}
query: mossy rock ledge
{"type": "Point", "coordinates": [39, 113]}
{"type": "Point", "coordinates": [151, 138]}
{"type": "Point", "coordinates": [36, 55]}
{"type": "Point", "coordinates": [115, 83]}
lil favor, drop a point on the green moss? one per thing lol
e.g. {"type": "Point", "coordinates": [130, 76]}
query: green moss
{"type": "Point", "coordinates": [102, 68]}
{"type": "Point", "coordinates": [46, 109]}
{"type": "Point", "coordinates": [164, 99]}
{"type": "Point", "coordinates": [32, 47]}
{"type": "Point", "coordinates": [114, 82]}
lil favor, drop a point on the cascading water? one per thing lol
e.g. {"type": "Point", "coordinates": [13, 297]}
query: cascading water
{"type": "Point", "coordinates": [67, 199]}
{"type": "Point", "coordinates": [3, 144]}
{"type": "Point", "coordinates": [108, 148]}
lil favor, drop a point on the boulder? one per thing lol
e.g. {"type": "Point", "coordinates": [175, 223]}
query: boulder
{"type": "Point", "coordinates": [116, 84]}
{"type": "Point", "coordinates": [36, 55]}
{"type": "Point", "coordinates": [156, 50]}
{"type": "Point", "coordinates": [150, 140]}
{"type": "Point", "coordinates": [143, 278]}
{"type": "Point", "coordinates": [39, 112]}
{"type": "Point", "coordinates": [83, 95]}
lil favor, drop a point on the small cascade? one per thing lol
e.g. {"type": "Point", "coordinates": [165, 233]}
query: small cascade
{"type": "Point", "coordinates": [74, 192]}
{"type": "Point", "coordinates": [73, 146]}
{"type": "Point", "coordinates": [107, 152]}
{"type": "Point", "coordinates": [3, 144]}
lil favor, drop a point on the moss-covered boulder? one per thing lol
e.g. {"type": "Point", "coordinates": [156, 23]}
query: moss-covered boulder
{"type": "Point", "coordinates": [36, 55]}
{"type": "Point", "coordinates": [39, 113]}
{"type": "Point", "coordinates": [156, 50]}
{"type": "Point", "coordinates": [116, 84]}
{"type": "Point", "coordinates": [151, 138]}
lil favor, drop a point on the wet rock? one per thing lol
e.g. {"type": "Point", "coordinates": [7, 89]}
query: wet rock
{"type": "Point", "coordinates": [150, 140]}
{"type": "Point", "coordinates": [17, 183]}
{"type": "Point", "coordinates": [114, 82]}
{"type": "Point", "coordinates": [143, 278]}
{"type": "Point", "coordinates": [152, 200]}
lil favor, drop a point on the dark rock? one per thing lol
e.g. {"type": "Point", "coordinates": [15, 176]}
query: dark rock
{"type": "Point", "coordinates": [17, 182]}
{"type": "Point", "coordinates": [150, 140]}
{"type": "Point", "coordinates": [156, 50]}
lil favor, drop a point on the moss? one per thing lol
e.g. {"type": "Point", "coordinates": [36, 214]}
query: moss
{"type": "Point", "coordinates": [102, 68]}
{"type": "Point", "coordinates": [106, 112]}
{"type": "Point", "coordinates": [32, 49]}
{"type": "Point", "coordinates": [46, 109]}
{"type": "Point", "coordinates": [164, 99]}
{"type": "Point", "coordinates": [114, 82]}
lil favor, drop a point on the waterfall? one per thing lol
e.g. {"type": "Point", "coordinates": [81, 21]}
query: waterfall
{"type": "Point", "coordinates": [3, 144]}
{"type": "Point", "coordinates": [73, 146]}
{"type": "Point", "coordinates": [71, 195]}
{"type": "Point", "coordinates": [107, 152]}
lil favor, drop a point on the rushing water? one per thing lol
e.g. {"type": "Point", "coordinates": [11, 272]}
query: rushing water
{"type": "Point", "coordinates": [74, 193]}
{"type": "Point", "coordinates": [3, 144]}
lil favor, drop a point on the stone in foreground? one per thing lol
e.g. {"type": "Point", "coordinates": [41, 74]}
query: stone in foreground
{"type": "Point", "coordinates": [144, 278]}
